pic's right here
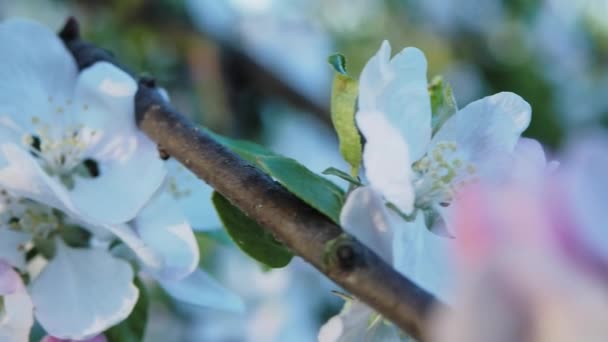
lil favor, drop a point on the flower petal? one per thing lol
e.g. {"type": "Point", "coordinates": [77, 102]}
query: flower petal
{"type": "Point", "coordinates": [200, 289]}
{"type": "Point", "coordinates": [193, 196]}
{"type": "Point", "coordinates": [423, 257]}
{"type": "Point", "coordinates": [364, 216]}
{"type": "Point", "coordinates": [398, 89]}
{"type": "Point", "coordinates": [350, 325]}
{"type": "Point", "coordinates": [487, 130]}
{"type": "Point", "coordinates": [98, 338]}
{"type": "Point", "coordinates": [406, 101]}
{"type": "Point", "coordinates": [374, 77]}
{"type": "Point", "coordinates": [162, 226]}
{"type": "Point", "coordinates": [585, 167]}
{"type": "Point", "coordinates": [34, 65]}
{"type": "Point", "coordinates": [22, 176]}
{"type": "Point", "coordinates": [9, 279]}
{"type": "Point", "coordinates": [10, 247]}
{"type": "Point", "coordinates": [355, 323]}
{"type": "Point", "coordinates": [129, 166]}
{"type": "Point", "coordinates": [17, 316]}
{"type": "Point", "coordinates": [82, 292]}
{"type": "Point", "coordinates": [104, 97]}
{"type": "Point", "coordinates": [148, 257]}
{"type": "Point", "coordinates": [529, 162]}
{"type": "Point", "coordinates": [386, 160]}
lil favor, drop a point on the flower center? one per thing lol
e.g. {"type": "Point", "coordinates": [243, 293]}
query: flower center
{"type": "Point", "coordinates": [28, 216]}
{"type": "Point", "coordinates": [60, 147]}
{"type": "Point", "coordinates": [441, 173]}
{"type": "Point", "coordinates": [42, 224]}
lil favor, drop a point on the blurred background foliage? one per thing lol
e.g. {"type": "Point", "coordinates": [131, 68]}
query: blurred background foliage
{"type": "Point", "coordinates": [229, 62]}
{"type": "Point", "coordinates": [257, 69]}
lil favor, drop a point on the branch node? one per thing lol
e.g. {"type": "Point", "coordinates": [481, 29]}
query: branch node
{"type": "Point", "coordinates": [162, 153]}
{"type": "Point", "coordinates": [343, 253]}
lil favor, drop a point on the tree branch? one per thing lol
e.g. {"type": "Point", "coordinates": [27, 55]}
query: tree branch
{"type": "Point", "coordinates": [308, 233]}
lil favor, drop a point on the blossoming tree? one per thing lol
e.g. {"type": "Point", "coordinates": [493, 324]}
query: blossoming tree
{"type": "Point", "coordinates": [445, 206]}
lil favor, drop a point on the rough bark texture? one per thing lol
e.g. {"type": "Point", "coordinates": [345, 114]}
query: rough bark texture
{"type": "Point", "coordinates": [308, 233]}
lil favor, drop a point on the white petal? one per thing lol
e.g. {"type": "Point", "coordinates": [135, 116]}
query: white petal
{"type": "Point", "coordinates": [348, 326]}
{"type": "Point", "coordinates": [10, 250]}
{"type": "Point", "coordinates": [424, 257]}
{"type": "Point", "coordinates": [529, 162]}
{"type": "Point", "coordinates": [374, 77]}
{"type": "Point", "coordinates": [37, 73]}
{"type": "Point", "coordinates": [162, 226]}
{"type": "Point", "coordinates": [200, 289]}
{"type": "Point", "coordinates": [406, 101]}
{"type": "Point", "coordinates": [17, 318]}
{"type": "Point", "coordinates": [487, 130]}
{"type": "Point", "coordinates": [130, 168]}
{"type": "Point", "coordinates": [127, 181]}
{"type": "Point", "coordinates": [23, 177]}
{"type": "Point", "coordinates": [104, 97]}
{"type": "Point", "coordinates": [386, 160]}
{"type": "Point", "coordinates": [150, 259]}
{"type": "Point", "coordinates": [353, 325]}
{"type": "Point", "coordinates": [364, 216]}
{"type": "Point", "coordinates": [82, 292]}
{"type": "Point", "coordinates": [398, 90]}
{"type": "Point", "coordinates": [193, 197]}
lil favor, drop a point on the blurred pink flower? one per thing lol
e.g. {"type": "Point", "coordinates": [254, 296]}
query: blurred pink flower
{"type": "Point", "coordinates": [98, 338]}
{"type": "Point", "coordinates": [532, 255]}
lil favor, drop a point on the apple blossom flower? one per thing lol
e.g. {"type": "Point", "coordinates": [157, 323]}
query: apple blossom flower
{"type": "Point", "coordinates": [404, 161]}
{"type": "Point", "coordinates": [75, 174]}
{"type": "Point", "coordinates": [419, 173]}
{"type": "Point", "coordinates": [66, 137]}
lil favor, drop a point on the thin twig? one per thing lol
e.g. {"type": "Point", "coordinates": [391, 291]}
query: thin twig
{"type": "Point", "coordinates": [301, 228]}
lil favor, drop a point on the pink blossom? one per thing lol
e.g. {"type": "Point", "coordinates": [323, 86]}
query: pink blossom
{"type": "Point", "coordinates": [531, 262]}
{"type": "Point", "coordinates": [9, 279]}
{"type": "Point", "coordinates": [98, 338]}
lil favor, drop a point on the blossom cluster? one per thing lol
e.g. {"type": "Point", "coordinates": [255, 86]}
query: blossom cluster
{"type": "Point", "coordinates": [86, 202]}
{"type": "Point", "coordinates": [474, 213]}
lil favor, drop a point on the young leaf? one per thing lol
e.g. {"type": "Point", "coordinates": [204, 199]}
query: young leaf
{"type": "Point", "coordinates": [133, 328]}
{"type": "Point", "coordinates": [443, 103]}
{"type": "Point", "coordinates": [249, 236]}
{"type": "Point", "coordinates": [343, 108]}
{"type": "Point", "coordinates": [332, 171]}
{"type": "Point", "coordinates": [316, 191]}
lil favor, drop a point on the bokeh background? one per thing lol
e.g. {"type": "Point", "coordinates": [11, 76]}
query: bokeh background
{"type": "Point", "coordinates": [257, 69]}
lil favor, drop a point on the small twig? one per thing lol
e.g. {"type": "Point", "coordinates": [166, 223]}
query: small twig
{"type": "Point", "coordinates": [304, 230]}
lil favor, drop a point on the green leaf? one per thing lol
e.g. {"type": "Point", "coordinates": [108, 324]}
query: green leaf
{"type": "Point", "coordinates": [249, 236]}
{"type": "Point", "coordinates": [443, 103]}
{"type": "Point", "coordinates": [218, 236]}
{"type": "Point", "coordinates": [315, 190]}
{"type": "Point", "coordinates": [332, 171]}
{"type": "Point", "coordinates": [133, 328]}
{"type": "Point", "coordinates": [338, 62]}
{"type": "Point", "coordinates": [245, 149]}
{"type": "Point", "coordinates": [343, 109]}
